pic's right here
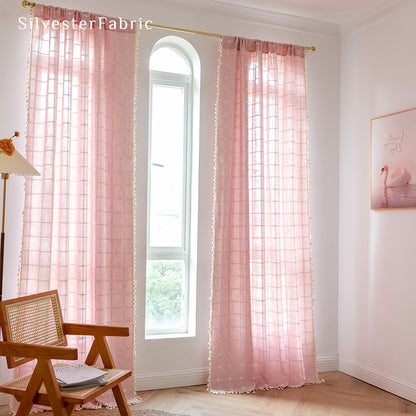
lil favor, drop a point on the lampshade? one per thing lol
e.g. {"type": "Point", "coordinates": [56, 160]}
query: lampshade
{"type": "Point", "coordinates": [16, 164]}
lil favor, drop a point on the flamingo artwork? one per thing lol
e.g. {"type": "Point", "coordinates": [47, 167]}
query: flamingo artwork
{"type": "Point", "coordinates": [399, 177]}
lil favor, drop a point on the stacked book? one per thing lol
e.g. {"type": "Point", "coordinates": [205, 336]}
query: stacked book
{"type": "Point", "coordinates": [79, 376]}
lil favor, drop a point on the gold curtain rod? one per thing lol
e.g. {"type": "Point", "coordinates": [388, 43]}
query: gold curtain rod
{"type": "Point", "coordinates": [178, 29]}
{"type": "Point", "coordinates": [26, 3]}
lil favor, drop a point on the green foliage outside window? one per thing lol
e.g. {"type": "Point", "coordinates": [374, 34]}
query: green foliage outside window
{"type": "Point", "coordinates": [164, 293]}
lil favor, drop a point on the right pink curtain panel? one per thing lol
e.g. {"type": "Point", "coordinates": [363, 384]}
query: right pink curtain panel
{"type": "Point", "coordinates": [262, 331]}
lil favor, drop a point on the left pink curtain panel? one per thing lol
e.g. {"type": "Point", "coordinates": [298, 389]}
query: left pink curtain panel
{"type": "Point", "coordinates": [78, 219]}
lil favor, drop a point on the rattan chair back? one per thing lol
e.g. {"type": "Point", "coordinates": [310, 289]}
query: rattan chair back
{"type": "Point", "coordinates": [32, 320]}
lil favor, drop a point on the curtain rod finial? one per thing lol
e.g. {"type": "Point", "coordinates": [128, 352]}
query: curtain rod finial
{"type": "Point", "coordinates": [26, 3]}
{"type": "Point", "coordinates": [311, 48]}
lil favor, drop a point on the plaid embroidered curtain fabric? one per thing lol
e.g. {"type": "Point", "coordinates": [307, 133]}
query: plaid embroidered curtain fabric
{"type": "Point", "coordinates": [262, 333]}
{"type": "Point", "coordinates": [78, 225]}
{"type": "Point", "coordinates": [78, 219]}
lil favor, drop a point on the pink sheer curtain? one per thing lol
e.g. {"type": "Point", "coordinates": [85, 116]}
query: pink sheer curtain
{"type": "Point", "coordinates": [262, 333]}
{"type": "Point", "coordinates": [78, 219]}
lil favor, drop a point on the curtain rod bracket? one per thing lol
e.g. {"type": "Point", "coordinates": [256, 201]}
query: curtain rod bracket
{"type": "Point", "coordinates": [26, 3]}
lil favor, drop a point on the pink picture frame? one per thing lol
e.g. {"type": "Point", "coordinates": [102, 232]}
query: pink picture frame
{"type": "Point", "coordinates": [393, 160]}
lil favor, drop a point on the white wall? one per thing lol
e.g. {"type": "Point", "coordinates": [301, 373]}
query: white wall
{"type": "Point", "coordinates": [13, 55]}
{"type": "Point", "coordinates": [377, 262]}
{"type": "Point", "coordinates": [189, 359]}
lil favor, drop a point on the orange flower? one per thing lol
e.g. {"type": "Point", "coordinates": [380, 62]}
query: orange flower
{"type": "Point", "coordinates": [7, 147]}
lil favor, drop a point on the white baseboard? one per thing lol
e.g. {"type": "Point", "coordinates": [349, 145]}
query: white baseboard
{"type": "Point", "coordinates": [330, 363]}
{"type": "Point", "coordinates": [166, 379]}
{"type": "Point", "coordinates": [377, 378]}
{"type": "Point", "coordinates": [4, 399]}
{"type": "Point", "coordinates": [196, 376]}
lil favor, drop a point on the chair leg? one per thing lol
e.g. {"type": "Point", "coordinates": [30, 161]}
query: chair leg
{"type": "Point", "coordinates": [93, 354]}
{"type": "Point", "coordinates": [24, 408]}
{"type": "Point", "coordinates": [32, 388]}
{"type": "Point", "coordinates": [121, 400]}
{"type": "Point", "coordinates": [69, 409]}
{"type": "Point", "coordinates": [52, 388]}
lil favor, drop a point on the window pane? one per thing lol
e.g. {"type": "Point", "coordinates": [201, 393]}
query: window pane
{"type": "Point", "coordinates": [165, 305]}
{"type": "Point", "coordinates": [169, 60]}
{"type": "Point", "coordinates": [167, 170]}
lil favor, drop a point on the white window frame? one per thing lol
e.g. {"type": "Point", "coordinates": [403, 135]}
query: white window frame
{"type": "Point", "coordinates": [182, 253]}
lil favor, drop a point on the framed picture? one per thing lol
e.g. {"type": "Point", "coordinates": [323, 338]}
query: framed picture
{"type": "Point", "coordinates": [393, 160]}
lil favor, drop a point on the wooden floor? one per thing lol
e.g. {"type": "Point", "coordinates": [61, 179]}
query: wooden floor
{"type": "Point", "coordinates": [340, 395]}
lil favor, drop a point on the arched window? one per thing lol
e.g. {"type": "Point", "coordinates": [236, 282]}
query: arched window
{"type": "Point", "coordinates": [170, 281]}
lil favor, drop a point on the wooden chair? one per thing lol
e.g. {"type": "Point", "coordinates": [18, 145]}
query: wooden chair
{"type": "Point", "coordinates": [33, 329]}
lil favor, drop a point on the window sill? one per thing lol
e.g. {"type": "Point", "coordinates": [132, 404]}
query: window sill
{"type": "Point", "coordinates": [168, 336]}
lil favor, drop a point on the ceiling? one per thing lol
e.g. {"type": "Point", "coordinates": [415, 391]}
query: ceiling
{"type": "Point", "coordinates": [341, 12]}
